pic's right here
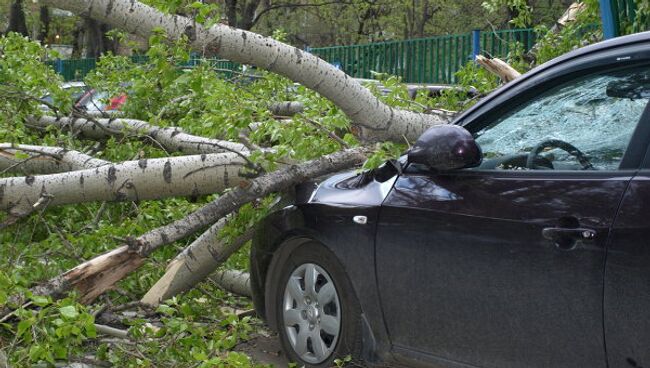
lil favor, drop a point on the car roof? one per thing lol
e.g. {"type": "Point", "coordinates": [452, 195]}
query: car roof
{"type": "Point", "coordinates": [618, 42]}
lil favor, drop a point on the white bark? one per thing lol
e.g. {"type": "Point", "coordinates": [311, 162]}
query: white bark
{"type": "Point", "coordinates": [98, 275]}
{"type": "Point", "coordinates": [44, 160]}
{"type": "Point", "coordinates": [194, 264]}
{"type": "Point", "coordinates": [234, 281]}
{"type": "Point", "coordinates": [499, 68]}
{"type": "Point", "coordinates": [128, 181]}
{"type": "Point", "coordinates": [171, 139]}
{"type": "Point", "coordinates": [378, 120]}
{"type": "Point", "coordinates": [288, 108]}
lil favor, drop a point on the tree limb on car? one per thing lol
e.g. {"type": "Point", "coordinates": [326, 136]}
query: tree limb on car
{"type": "Point", "coordinates": [96, 276]}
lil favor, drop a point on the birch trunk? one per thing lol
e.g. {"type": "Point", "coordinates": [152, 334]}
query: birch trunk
{"type": "Point", "coordinates": [44, 160]}
{"type": "Point", "coordinates": [129, 181]}
{"type": "Point", "coordinates": [98, 275]}
{"type": "Point", "coordinates": [377, 120]}
{"type": "Point", "coordinates": [194, 264]}
{"type": "Point", "coordinates": [234, 281]}
{"type": "Point", "coordinates": [170, 139]}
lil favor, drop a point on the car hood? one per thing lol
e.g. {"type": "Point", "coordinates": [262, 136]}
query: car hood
{"type": "Point", "coordinates": [349, 188]}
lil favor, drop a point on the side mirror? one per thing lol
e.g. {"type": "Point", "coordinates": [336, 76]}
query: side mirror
{"type": "Point", "coordinates": [446, 147]}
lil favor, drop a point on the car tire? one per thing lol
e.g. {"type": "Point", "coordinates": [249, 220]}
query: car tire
{"type": "Point", "coordinates": [318, 324]}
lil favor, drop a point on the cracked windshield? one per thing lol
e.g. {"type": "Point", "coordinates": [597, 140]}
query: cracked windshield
{"type": "Point", "coordinates": [597, 115]}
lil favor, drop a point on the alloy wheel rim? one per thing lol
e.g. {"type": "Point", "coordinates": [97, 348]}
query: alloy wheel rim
{"type": "Point", "coordinates": [311, 313]}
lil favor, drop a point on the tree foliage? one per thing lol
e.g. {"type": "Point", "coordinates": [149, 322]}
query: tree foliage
{"type": "Point", "coordinates": [192, 329]}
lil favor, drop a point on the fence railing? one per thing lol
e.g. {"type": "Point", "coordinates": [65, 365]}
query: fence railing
{"type": "Point", "coordinates": [425, 60]}
{"type": "Point", "coordinates": [628, 19]}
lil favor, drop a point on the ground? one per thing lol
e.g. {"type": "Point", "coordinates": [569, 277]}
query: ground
{"type": "Point", "coordinates": [264, 348]}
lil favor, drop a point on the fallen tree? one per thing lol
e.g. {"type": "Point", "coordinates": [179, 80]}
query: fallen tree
{"type": "Point", "coordinates": [170, 139]}
{"type": "Point", "coordinates": [194, 263]}
{"type": "Point", "coordinates": [43, 159]}
{"type": "Point", "coordinates": [376, 120]}
{"type": "Point", "coordinates": [137, 180]}
{"type": "Point", "coordinates": [94, 277]}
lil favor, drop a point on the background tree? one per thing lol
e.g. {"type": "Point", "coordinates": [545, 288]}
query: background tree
{"type": "Point", "coordinates": [17, 22]}
{"type": "Point", "coordinates": [44, 17]}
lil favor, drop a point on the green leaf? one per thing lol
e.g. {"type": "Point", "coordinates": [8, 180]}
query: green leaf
{"type": "Point", "coordinates": [40, 301]}
{"type": "Point", "coordinates": [69, 312]}
{"type": "Point", "coordinates": [23, 326]}
{"type": "Point", "coordinates": [21, 155]}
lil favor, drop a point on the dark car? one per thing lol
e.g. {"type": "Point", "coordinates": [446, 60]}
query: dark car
{"type": "Point", "coordinates": [520, 237]}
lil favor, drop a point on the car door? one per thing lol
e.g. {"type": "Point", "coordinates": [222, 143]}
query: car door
{"type": "Point", "coordinates": [627, 271]}
{"type": "Point", "coordinates": [502, 265]}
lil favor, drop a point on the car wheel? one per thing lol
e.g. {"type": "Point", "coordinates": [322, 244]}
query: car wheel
{"type": "Point", "coordinates": [317, 312]}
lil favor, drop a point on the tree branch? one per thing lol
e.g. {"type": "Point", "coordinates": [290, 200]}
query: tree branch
{"type": "Point", "coordinates": [377, 121]}
{"type": "Point", "coordinates": [128, 181]}
{"type": "Point", "coordinates": [96, 276]}
{"type": "Point", "coordinates": [44, 159]}
{"type": "Point", "coordinates": [173, 139]}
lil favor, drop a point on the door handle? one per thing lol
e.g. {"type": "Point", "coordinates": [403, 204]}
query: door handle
{"type": "Point", "coordinates": [567, 238]}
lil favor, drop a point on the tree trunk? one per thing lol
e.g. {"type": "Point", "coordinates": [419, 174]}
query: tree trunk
{"type": "Point", "coordinates": [170, 139]}
{"type": "Point", "coordinates": [98, 275]}
{"type": "Point", "coordinates": [377, 120]}
{"type": "Point", "coordinates": [44, 160]}
{"type": "Point", "coordinates": [236, 282]}
{"type": "Point", "coordinates": [194, 264]}
{"type": "Point", "coordinates": [17, 21]}
{"type": "Point", "coordinates": [129, 181]}
{"type": "Point", "coordinates": [44, 30]}
{"type": "Point", "coordinates": [95, 41]}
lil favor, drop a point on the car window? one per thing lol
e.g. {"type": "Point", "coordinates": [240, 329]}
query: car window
{"type": "Point", "coordinates": [581, 124]}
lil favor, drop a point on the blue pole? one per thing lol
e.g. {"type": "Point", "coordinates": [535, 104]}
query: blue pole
{"type": "Point", "coordinates": [476, 43]}
{"type": "Point", "coordinates": [608, 17]}
{"type": "Point", "coordinates": [59, 66]}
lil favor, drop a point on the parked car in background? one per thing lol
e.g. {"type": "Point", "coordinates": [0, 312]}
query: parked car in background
{"type": "Point", "coordinates": [517, 237]}
{"type": "Point", "coordinates": [99, 101]}
{"type": "Point", "coordinates": [76, 89]}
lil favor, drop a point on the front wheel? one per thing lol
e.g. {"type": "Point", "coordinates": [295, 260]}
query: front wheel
{"type": "Point", "coordinates": [317, 313]}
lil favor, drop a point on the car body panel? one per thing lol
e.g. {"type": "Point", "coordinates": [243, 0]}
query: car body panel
{"type": "Point", "coordinates": [483, 286]}
{"type": "Point", "coordinates": [627, 280]}
{"type": "Point", "coordinates": [325, 213]}
{"type": "Point", "coordinates": [508, 297]}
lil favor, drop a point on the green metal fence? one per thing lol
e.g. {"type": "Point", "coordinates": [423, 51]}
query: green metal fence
{"type": "Point", "coordinates": [425, 60]}
{"type": "Point", "coordinates": [76, 69]}
{"type": "Point", "coordinates": [628, 21]}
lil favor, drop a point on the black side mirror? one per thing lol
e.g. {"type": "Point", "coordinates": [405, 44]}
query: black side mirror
{"type": "Point", "coordinates": [446, 147]}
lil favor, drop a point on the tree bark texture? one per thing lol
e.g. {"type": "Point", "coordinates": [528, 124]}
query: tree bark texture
{"type": "Point", "coordinates": [44, 160]}
{"type": "Point", "coordinates": [171, 139]}
{"type": "Point", "coordinates": [44, 18]}
{"type": "Point", "coordinates": [94, 277]}
{"type": "Point", "coordinates": [194, 175]}
{"type": "Point", "coordinates": [234, 281]}
{"type": "Point", "coordinates": [194, 264]}
{"type": "Point", "coordinates": [498, 67]}
{"type": "Point", "coordinates": [95, 41]}
{"type": "Point", "coordinates": [287, 108]}
{"type": "Point", "coordinates": [377, 120]}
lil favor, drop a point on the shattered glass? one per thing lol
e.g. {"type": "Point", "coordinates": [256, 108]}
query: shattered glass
{"type": "Point", "coordinates": [593, 114]}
